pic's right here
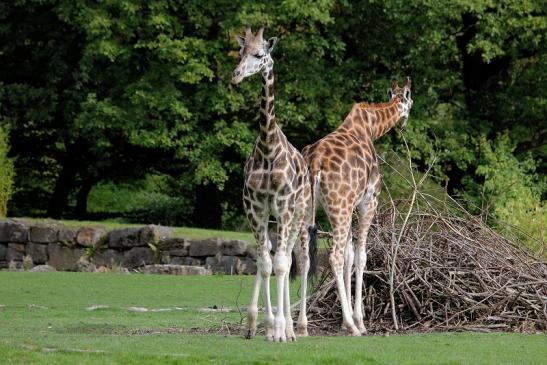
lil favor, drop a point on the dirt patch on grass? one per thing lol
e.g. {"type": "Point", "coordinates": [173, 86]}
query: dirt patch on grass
{"type": "Point", "coordinates": [224, 329]}
{"type": "Point", "coordinates": [121, 330]}
{"type": "Point", "coordinates": [94, 328]}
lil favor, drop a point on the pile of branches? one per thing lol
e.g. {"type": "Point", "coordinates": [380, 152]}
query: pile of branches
{"type": "Point", "coordinates": [433, 267]}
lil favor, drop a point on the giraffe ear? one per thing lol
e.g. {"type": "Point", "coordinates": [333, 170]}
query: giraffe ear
{"type": "Point", "coordinates": [271, 44]}
{"type": "Point", "coordinates": [408, 82]}
{"type": "Point", "coordinates": [240, 40]}
{"type": "Point", "coordinates": [389, 94]}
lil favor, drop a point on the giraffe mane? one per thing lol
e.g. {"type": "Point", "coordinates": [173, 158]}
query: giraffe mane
{"type": "Point", "coordinates": [365, 105]}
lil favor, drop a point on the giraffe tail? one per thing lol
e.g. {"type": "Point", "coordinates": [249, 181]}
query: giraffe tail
{"type": "Point", "coordinates": [315, 176]}
{"type": "Point", "coordinates": [293, 271]}
{"type": "Point", "coordinates": [312, 255]}
{"type": "Point", "coordinates": [312, 251]}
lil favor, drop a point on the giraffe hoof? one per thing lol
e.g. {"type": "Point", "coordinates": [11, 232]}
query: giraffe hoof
{"type": "Point", "coordinates": [279, 335]}
{"type": "Point", "coordinates": [360, 325]}
{"type": "Point", "coordinates": [302, 329]}
{"type": "Point", "coordinates": [351, 330]}
{"type": "Point", "coordinates": [291, 337]}
{"type": "Point", "coordinates": [249, 335]}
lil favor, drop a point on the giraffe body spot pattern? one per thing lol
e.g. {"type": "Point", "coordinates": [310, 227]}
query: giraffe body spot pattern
{"type": "Point", "coordinates": [276, 184]}
{"type": "Point", "coordinates": [344, 178]}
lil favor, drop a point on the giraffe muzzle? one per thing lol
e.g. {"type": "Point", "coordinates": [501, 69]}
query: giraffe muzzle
{"type": "Point", "coordinates": [237, 77]}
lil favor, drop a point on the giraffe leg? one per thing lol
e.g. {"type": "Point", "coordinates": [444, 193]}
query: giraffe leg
{"type": "Point", "coordinates": [281, 269]}
{"type": "Point", "coordinates": [340, 231]}
{"type": "Point", "coordinates": [289, 326]}
{"type": "Point", "coordinates": [304, 266]}
{"type": "Point", "coordinates": [264, 269]}
{"type": "Point", "coordinates": [252, 310]}
{"type": "Point", "coordinates": [367, 208]}
{"type": "Point", "coordinates": [296, 228]}
{"type": "Point", "coordinates": [348, 266]}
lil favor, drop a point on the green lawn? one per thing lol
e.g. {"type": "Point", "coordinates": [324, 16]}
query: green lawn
{"type": "Point", "coordinates": [44, 320]}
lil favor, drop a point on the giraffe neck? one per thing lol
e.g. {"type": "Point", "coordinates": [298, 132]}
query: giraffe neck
{"type": "Point", "coordinates": [374, 120]}
{"type": "Point", "coordinates": [268, 127]}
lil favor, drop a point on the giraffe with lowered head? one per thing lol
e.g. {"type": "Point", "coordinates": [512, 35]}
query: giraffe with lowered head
{"type": "Point", "coordinates": [344, 177]}
{"type": "Point", "coordinates": [276, 184]}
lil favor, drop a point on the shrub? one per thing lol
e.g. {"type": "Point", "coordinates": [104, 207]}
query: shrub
{"type": "Point", "coordinates": [513, 191]}
{"type": "Point", "coordinates": [164, 210]}
{"type": "Point", "coordinates": [149, 200]}
{"type": "Point", "coordinates": [7, 173]}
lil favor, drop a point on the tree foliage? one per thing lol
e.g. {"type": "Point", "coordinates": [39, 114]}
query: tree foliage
{"type": "Point", "coordinates": [113, 91]}
{"type": "Point", "coordinates": [6, 174]}
{"type": "Point", "coordinates": [514, 190]}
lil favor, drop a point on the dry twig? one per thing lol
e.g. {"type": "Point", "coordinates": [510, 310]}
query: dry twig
{"type": "Point", "coordinates": [436, 267]}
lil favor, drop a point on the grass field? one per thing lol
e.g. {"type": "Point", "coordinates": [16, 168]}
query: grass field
{"type": "Point", "coordinates": [44, 320]}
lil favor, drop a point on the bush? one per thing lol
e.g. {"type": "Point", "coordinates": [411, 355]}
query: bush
{"type": "Point", "coordinates": [7, 173]}
{"type": "Point", "coordinates": [150, 200]}
{"type": "Point", "coordinates": [118, 198]}
{"type": "Point", "coordinates": [164, 210]}
{"type": "Point", "coordinates": [512, 192]}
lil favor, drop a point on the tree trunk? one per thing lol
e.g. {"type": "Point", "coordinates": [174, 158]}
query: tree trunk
{"type": "Point", "coordinates": [208, 209]}
{"type": "Point", "coordinates": [74, 158]}
{"type": "Point", "coordinates": [63, 187]}
{"type": "Point", "coordinates": [81, 198]}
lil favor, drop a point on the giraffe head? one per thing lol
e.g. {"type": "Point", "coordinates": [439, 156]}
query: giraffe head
{"type": "Point", "coordinates": [404, 98]}
{"type": "Point", "coordinates": [255, 54]}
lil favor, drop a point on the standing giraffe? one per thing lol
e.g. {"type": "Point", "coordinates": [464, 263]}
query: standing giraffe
{"type": "Point", "coordinates": [344, 176]}
{"type": "Point", "coordinates": [276, 184]}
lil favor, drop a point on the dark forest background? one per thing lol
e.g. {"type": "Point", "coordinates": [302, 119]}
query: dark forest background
{"type": "Point", "coordinates": [125, 108]}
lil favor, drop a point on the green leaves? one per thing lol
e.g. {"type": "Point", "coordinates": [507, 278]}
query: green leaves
{"type": "Point", "coordinates": [7, 173]}
{"type": "Point", "coordinates": [307, 12]}
{"type": "Point", "coordinates": [513, 191]}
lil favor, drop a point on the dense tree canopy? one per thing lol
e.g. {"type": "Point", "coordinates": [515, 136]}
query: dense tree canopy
{"type": "Point", "coordinates": [113, 91]}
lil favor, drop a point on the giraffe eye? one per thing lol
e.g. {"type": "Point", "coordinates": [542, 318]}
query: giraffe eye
{"type": "Point", "coordinates": [258, 55]}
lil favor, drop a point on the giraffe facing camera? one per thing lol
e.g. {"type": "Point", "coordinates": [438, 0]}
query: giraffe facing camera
{"type": "Point", "coordinates": [255, 54]}
{"type": "Point", "coordinates": [276, 184]}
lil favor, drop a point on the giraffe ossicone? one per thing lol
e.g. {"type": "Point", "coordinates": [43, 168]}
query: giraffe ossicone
{"type": "Point", "coordinates": [344, 178]}
{"type": "Point", "coordinates": [276, 183]}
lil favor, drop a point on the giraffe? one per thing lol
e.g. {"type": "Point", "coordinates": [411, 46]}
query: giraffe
{"type": "Point", "coordinates": [344, 177]}
{"type": "Point", "coordinates": [276, 184]}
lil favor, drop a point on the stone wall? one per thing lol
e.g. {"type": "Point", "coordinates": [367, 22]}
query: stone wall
{"type": "Point", "coordinates": [26, 243]}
